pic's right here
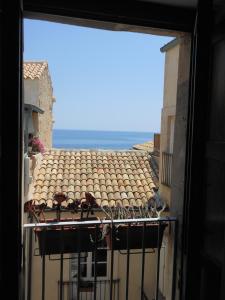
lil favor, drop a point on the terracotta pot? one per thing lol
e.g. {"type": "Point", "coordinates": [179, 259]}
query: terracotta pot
{"type": "Point", "coordinates": [152, 239]}
{"type": "Point", "coordinates": [69, 239]}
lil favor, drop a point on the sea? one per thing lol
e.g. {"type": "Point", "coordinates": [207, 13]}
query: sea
{"type": "Point", "coordinates": [94, 139]}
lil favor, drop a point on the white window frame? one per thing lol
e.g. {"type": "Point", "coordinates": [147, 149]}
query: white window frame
{"type": "Point", "coordinates": [88, 263]}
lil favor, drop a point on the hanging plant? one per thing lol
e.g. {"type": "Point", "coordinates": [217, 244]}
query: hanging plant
{"type": "Point", "coordinates": [70, 239]}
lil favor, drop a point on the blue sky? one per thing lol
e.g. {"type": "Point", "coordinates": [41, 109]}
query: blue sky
{"type": "Point", "coordinates": [102, 80]}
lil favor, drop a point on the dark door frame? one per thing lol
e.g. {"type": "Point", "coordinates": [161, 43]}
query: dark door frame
{"type": "Point", "coordinates": [138, 13]}
{"type": "Point", "coordinates": [195, 151]}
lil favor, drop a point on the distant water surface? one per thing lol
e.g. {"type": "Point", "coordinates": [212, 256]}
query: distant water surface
{"type": "Point", "coordinates": [91, 139]}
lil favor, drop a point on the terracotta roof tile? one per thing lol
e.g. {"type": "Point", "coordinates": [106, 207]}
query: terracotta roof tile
{"type": "Point", "coordinates": [33, 69]}
{"type": "Point", "coordinates": [114, 177]}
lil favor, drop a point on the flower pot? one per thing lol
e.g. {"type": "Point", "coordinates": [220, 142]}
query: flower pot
{"type": "Point", "coordinates": [66, 239]}
{"type": "Point", "coordinates": [152, 238]}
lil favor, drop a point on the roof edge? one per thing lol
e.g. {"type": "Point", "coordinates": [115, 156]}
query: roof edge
{"type": "Point", "coordinates": [96, 150]}
{"type": "Point", "coordinates": [170, 45]}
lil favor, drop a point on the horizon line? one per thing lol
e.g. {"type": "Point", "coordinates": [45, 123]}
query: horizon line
{"type": "Point", "coordinates": [109, 130]}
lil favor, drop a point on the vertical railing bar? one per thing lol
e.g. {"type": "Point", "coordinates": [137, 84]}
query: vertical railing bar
{"type": "Point", "coordinates": [143, 261]}
{"type": "Point", "coordinates": [112, 260]}
{"type": "Point", "coordinates": [61, 264]}
{"type": "Point", "coordinates": [43, 267]}
{"type": "Point", "coordinates": [174, 259]}
{"type": "Point", "coordinates": [95, 262]}
{"type": "Point", "coordinates": [24, 272]}
{"type": "Point", "coordinates": [167, 157]}
{"type": "Point", "coordinates": [167, 169]}
{"type": "Point", "coordinates": [128, 262]}
{"type": "Point", "coordinates": [105, 290]}
{"type": "Point", "coordinates": [165, 174]}
{"type": "Point", "coordinates": [164, 168]}
{"type": "Point", "coordinates": [100, 283]}
{"type": "Point", "coordinates": [72, 289]}
{"type": "Point", "coordinates": [158, 261]}
{"type": "Point", "coordinates": [167, 164]}
{"type": "Point", "coordinates": [78, 269]}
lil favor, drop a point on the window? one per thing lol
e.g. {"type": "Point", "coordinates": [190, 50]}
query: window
{"type": "Point", "coordinates": [87, 264]}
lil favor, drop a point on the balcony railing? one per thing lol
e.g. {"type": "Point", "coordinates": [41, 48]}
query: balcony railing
{"type": "Point", "coordinates": [87, 291]}
{"type": "Point", "coordinates": [130, 250]}
{"type": "Point", "coordinates": [166, 173]}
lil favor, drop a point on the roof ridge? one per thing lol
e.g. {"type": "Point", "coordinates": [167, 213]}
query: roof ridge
{"type": "Point", "coordinates": [35, 61]}
{"type": "Point", "coordinates": [34, 69]}
{"type": "Point", "coordinates": [97, 150]}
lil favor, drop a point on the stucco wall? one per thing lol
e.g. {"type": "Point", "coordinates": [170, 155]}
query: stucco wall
{"type": "Point", "coordinates": [178, 170]}
{"type": "Point", "coordinates": [168, 110]}
{"type": "Point", "coordinates": [174, 195]}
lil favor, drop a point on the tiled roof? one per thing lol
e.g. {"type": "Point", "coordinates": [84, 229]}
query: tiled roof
{"type": "Point", "coordinates": [33, 69]}
{"type": "Point", "coordinates": [148, 146]}
{"type": "Point", "coordinates": [123, 177]}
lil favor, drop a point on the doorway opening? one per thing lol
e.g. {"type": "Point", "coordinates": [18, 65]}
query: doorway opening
{"type": "Point", "coordinates": [116, 178]}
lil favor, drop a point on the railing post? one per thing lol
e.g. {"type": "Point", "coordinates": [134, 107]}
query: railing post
{"type": "Point", "coordinates": [61, 265]}
{"type": "Point", "coordinates": [128, 262]}
{"type": "Point", "coordinates": [112, 261]}
{"type": "Point", "coordinates": [174, 259]}
{"type": "Point", "coordinates": [143, 262]}
{"type": "Point", "coordinates": [158, 262]}
{"type": "Point", "coordinates": [24, 279]}
{"type": "Point", "coordinates": [95, 262]}
{"type": "Point", "coordinates": [78, 271]}
{"type": "Point", "coordinates": [43, 268]}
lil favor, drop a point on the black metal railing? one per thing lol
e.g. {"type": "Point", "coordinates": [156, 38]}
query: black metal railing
{"type": "Point", "coordinates": [166, 171]}
{"type": "Point", "coordinates": [87, 289]}
{"type": "Point", "coordinates": [127, 237]}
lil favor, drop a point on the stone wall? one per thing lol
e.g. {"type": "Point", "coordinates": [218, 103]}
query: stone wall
{"type": "Point", "coordinates": [46, 104]}
{"type": "Point", "coordinates": [31, 93]}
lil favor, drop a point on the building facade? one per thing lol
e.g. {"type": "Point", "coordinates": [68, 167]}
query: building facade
{"type": "Point", "coordinates": [38, 94]}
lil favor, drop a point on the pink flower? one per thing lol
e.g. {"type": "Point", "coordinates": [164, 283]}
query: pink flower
{"type": "Point", "coordinates": [37, 145]}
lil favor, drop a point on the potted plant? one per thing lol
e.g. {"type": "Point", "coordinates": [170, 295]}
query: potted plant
{"type": "Point", "coordinates": [35, 144]}
{"type": "Point", "coordinates": [69, 239]}
{"type": "Point", "coordinates": [135, 235]}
